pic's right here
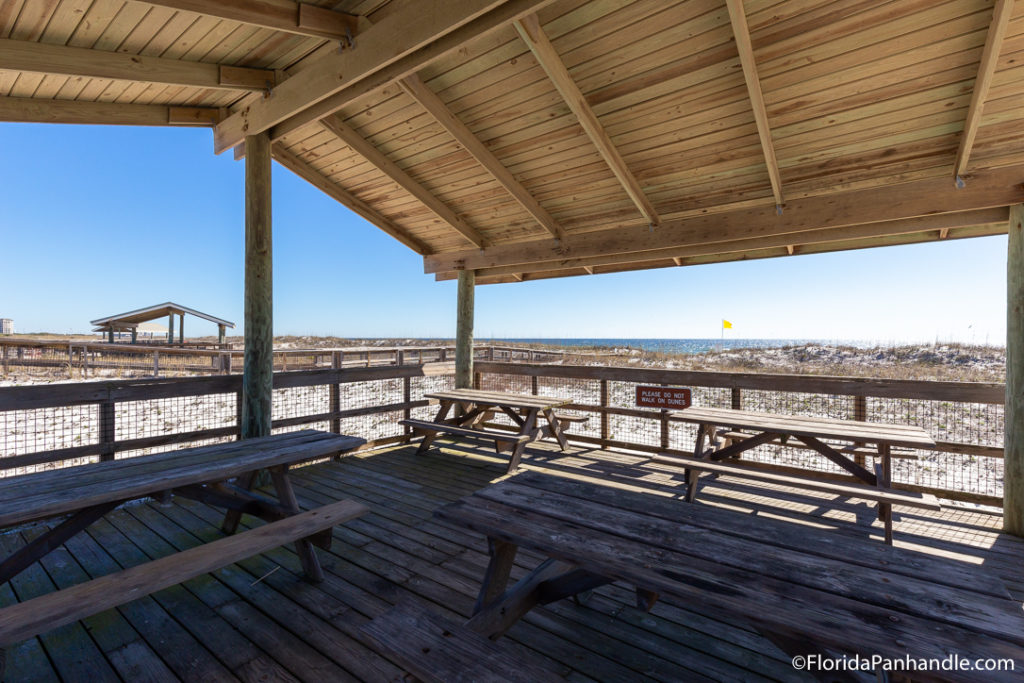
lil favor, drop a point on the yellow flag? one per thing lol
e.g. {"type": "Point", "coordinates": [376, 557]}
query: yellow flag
{"type": "Point", "coordinates": [726, 325]}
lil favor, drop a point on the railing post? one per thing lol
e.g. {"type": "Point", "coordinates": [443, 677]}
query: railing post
{"type": "Point", "coordinates": [71, 362]}
{"type": "Point", "coordinates": [860, 413]}
{"type": "Point", "coordinates": [490, 353]}
{"type": "Point", "coordinates": [335, 391]}
{"type": "Point", "coordinates": [737, 398]}
{"type": "Point", "coordinates": [605, 422]}
{"type": "Point", "coordinates": [156, 363]}
{"type": "Point", "coordinates": [107, 429]}
{"type": "Point", "coordinates": [239, 402]}
{"type": "Point", "coordinates": [407, 398]}
{"type": "Point", "coordinates": [400, 357]}
{"type": "Point", "coordinates": [4, 357]}
{"type": "Point", "coordinates": [478, 380]}
{"type": "Point", "coordinates": [535, 384]}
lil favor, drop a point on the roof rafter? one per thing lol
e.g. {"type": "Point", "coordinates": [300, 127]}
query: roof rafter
{"type": "Point", "coordinates": [987, 189]}
{"type": "Point", "coordinates": [995, 217]}
{"type": "Point", "coordinates": [418, 90]}
{"type": "Point", "coordinates": [398, 45]}
{"type": "Point", "coordinates": [986, 69]}
{"type": "Point", "coordinates": [317, 180]}
{"type": "Point", "coordinates": [281, 15]}
{"type": "Point", "coordinates": [22, 55]}
{"type": "Point", "coordinates": [30, 110]}
{"type": "Point", "coordinates": [536, 39]}
{"type": "Point", "coordinates": [741, 31]}
{"type": "Point", "coordinates": [389, 168]}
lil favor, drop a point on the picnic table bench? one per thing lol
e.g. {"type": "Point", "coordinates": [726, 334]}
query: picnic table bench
{"type": "Point", "coordinates": [732, 432]}
{"type": "Point", "coordinates": [808, 591]}
{"type": "Point", "coordinates": [476, 407]}
{"type": "Point", "coordinates": [87, 492]}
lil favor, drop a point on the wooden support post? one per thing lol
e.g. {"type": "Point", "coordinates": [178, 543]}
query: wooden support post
{"type": "Point", "coordinates": [135, 335]}
{"type": "Point", "coordinates": [110, 335]}
{"type": "Point", "coordinates": [221, 332]}
{"type": "Point", "coordinates": [107, 429]}
{"type": "Point", "coordinates": [170, 329]}
{"type": "Point", "coordinates": [464, 330]}
{"type": "Point", "coordinates": [478, 380]}
{"type": "Point", "coordinates": [535, 385]}
{"type": "Point", "coordinates": [258, 373]}
{"type": "Point", "coordinates": [71, 362]}
{"type": "Point", "coordinates": [400, 357]}
{"type": "Point", "coordinates": [605, 431]}
{"type": "Point", "coordinates": [407, 398]}
{"type": "Point", "coordinates": [181, 330]}
{"type": "Point", "coordinates": [1013, 477]}
{"type": "Point", "coordinates": [156, 362]}
{"type": "Point", "coordinates": [737, 398]}
{"type": "Point", "coordinates": [860, 413]}
{"type": "Point", "coordinates": [335, 391]}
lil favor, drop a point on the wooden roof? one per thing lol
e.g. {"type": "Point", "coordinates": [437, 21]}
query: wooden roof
{"type": "Point", "coordinates": [543, 138]}
{"type": "Point", "coordinates": [141, 315]}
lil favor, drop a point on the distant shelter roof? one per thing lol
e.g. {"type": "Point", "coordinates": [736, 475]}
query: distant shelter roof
{"type": "Point", "coordinates": [134, 318]}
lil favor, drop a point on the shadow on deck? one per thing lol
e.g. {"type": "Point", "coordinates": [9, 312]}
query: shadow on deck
{"type": "Point", "coordinates": [258, 620]}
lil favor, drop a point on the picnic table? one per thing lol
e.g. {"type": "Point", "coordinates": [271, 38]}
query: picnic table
{"type": "Point", "coordinates": [477, 407]}
{"type": "Point", "coordinates": [220, 475]}
{"type": "Point", "coordinates": [732, 432]}
{"type": "Point", "coordinates": [807, 590]}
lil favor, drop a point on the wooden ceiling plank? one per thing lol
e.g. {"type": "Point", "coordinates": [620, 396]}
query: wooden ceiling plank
{"type": "Point", "coordinates": [418, 90]}
{"type": "Point", "coordinates": [944, 223]}
{"type": "Point", "coordinates": [29, 110]}
{"type": "Point", "coordinates": [746, 51]}
{"type": "Point", "coordinates": [293, 17]}
{"type": "Point", "coordinates": [369, 152]}
{"type": "Point", "coordinates": [987, 189]}
{"type": "Point", "coordinates": [21, 55]}
{"type": "Point", "coordinates": [353, 203]}
{"type": "Point", "coordinates": [394, 47]}
{"type": "Point", "coordinates": [536, 39]}
{"type": "Point", "coordinates": [1001, 14]}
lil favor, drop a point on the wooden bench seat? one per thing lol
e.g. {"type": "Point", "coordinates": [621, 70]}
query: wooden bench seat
{"type": "Point", "coordinates": [794, 442]}
{"type": "Point", "coordinates": [884, 497]}
{"type": "Point", "coordinates": [30, 618]}
{"type": "Point", "coordinates": [440, 428]}
{"type": "Point", "coordinates": [436, 650]}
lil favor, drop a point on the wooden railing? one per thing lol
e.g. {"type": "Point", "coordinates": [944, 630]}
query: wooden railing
{"type": "Point", "coordinates": [59, 424]}
{"type": "Point", "coordinates": [83, 360]}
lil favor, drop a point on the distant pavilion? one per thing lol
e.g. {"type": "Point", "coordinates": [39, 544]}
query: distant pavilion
{"type": "Point", "coordinates": [130, 321]}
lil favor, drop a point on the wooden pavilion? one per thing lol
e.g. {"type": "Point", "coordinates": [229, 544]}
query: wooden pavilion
{"type": "Point", "coordinates": [131, 320]}
{"type": "Point", "coordinates": [508, 140]}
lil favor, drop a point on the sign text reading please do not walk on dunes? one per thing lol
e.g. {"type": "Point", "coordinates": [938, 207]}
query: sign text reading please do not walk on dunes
{"type": "Point", "coordinates": [669, 398]}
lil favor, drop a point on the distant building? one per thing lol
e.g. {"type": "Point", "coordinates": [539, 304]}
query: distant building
{"type": "Point", "coordinates": [6, 326]}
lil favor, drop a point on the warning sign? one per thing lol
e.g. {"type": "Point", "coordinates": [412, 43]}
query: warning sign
{"type": "Point", "coordinates": [668, 398]}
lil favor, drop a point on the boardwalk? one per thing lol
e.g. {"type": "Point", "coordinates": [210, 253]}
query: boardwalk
{"type": "Point", "coordinates": [259, 621]}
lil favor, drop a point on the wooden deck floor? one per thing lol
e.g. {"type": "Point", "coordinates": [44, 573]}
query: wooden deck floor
{"type": "Point", "coordinates": [258, 621]}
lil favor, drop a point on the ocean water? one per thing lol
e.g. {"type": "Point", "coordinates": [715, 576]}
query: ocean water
{"type": "Point", "coordinates": [667, 345]}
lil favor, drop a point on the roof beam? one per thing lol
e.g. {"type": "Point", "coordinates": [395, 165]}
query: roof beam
{"type": "Point", "coordinates": [31, 110]}
{"type": "Point", "coordinates": [418, 90]}
{"type": "Point", "coordinates": [300, 18]}
{"type": "Point", "coordinates": [846, 245]}
{"type": "Point", "coordinates": [942, 222]}
{"type": "Point", "coordinates": [389, 168]}
{"type": "Point", "coordinates": [21, 55]}
{"type": "Point", "coordinates": [398, 45]}
{"type": "Point", "coordinates": [987, 189]}
{"type": "Point", "coordinates": [353, 203]}
{"type": "Point", "coordinates": [536, 39]}
{"type": "Point", "coordinates": [742, 33]}
{"type": "Point", "coordinates": [986, 69]}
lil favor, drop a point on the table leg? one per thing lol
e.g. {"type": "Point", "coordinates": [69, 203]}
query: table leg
{"type": "Point", "coordinates": [556, 428]}
{"type": "Point", "coordinates": [529, 427]}
{"type": "Point", "coordinates": [287, 500]}
{"type": "Point", "coordinates": [692, 475]}
{"type": "Point", "coordinates": [233, 517]}
{"type": "Point", "coordinates": [428, 437]}
{"type": "Point", "coordinates": [496, 575]}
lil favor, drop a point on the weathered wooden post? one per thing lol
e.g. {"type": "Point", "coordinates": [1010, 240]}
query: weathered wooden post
{"type": "Point", "coordinates": [181, 329]}
{"type": "Point", "coordinates": [110, 334]}
{"type": "Point", "coordinates": [170, 329]}
{"type": "Point", "coordinates": [135, 335]}
{"type": "Point", "coordinates": [258, 372]}
{"type": "Point", "coordinates": [335, 394]}
{"type": "Point", "coordinates": [1013, 476]}
{"type": "Point", "coordinates": [464, 331]}
{"type": "Point", "coordinates": [221, 330]}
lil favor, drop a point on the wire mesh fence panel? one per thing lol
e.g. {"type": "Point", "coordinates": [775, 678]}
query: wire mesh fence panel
{"type": "Point", "coordinates": [23, 432]}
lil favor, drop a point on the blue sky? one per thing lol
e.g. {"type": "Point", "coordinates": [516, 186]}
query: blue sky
{"type": "Point", "coordinates": [97, 220]}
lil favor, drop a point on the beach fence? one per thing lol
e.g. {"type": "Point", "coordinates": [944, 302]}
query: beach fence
{"type": "Point", "coordinates": [64, 360]}
{"type": "Point", "coordinates": [56, 425]}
